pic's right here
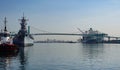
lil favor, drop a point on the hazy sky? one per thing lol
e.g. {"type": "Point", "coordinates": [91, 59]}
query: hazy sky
{"type": "Point", "coordinates": [64, 15]}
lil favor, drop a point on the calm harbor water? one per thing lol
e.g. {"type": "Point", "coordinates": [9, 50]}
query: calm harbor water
{"type": "Point", "coordinates": [64, 56]}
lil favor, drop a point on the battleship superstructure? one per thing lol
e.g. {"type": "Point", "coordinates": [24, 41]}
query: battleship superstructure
{"type": "Point", "coordinates": [23, 37]}
{"type": "Point", "coordinates": [92, 36]}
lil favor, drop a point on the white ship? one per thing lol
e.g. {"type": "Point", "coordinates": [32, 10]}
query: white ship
{"type": "Point", "coordinates": [92, 36]}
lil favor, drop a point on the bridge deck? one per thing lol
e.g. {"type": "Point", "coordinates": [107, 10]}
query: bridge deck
{"type": "Point", "coordinates": [57, 34]}
{"type": "Point", "coordinates": [68, 34]}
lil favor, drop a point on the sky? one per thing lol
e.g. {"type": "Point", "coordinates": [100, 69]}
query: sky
{"type": "Point", "coordinates": [63, 16]}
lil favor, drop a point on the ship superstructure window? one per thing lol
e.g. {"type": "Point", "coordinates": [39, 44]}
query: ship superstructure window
{"type": "Point", "coordinates": [6, 34]}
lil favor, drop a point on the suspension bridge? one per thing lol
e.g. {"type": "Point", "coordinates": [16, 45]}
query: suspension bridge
{"type": "Point", "coordinates": [58, 34]}
{"type": "Point", "coordinates": [44, 32]}
{"type": "Point", "coordinates": [81, 33]}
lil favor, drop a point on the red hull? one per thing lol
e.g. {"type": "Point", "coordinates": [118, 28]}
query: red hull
{"type": "Point", "coordinates": [8, 48]}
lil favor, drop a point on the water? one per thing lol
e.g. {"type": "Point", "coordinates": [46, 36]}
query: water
{"type": "Point", "coordinates": [64, 56]}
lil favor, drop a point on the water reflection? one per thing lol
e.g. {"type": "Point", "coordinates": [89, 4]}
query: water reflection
{"type": "Point", "coordinates": [22, 58]}
{"type": "Point", "coordinates": [64, 56]}
{"type": "Point", "coordinates": [2, 63]}
{"type": "Point", "coordinates": [93, 55]}
{"type": "Point", "coordinates": [13, 61]}
{"type": "Point", "coordinates": [5, 59]}
{"type": "Point", "coordinates": [93, 51]}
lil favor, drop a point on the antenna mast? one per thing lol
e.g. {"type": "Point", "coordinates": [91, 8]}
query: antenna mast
{"type": "Point", "coordinates": [5, 21]}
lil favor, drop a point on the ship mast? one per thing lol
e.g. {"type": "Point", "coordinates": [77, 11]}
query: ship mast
{"type": "Point", "coordinates": [23, 23]}
{"type": "Point", "coordinates": [5, 21]}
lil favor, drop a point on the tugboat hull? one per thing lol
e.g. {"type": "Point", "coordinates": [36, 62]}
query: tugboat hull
{"type": "Point", "coordinates": [9, 48]}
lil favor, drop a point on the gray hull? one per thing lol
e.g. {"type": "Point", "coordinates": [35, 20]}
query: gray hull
{"type": "Point", "coordinates": [28, 41]}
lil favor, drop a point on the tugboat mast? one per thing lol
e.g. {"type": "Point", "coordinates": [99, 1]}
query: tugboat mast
{"type": "Point", "coordinates": [5, 21]}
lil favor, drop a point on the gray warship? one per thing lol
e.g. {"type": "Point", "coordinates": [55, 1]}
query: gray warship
{"type": "Point", "coordinates": [23, 37]}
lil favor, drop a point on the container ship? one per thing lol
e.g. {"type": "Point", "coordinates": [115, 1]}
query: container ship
{"type": "Point", "coordinates": [23, 37]}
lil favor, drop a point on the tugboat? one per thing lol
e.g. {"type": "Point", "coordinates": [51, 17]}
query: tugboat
{"type": "Point", "coordinates": [6, 44]}
{"type": "Point", "coordinates": [92, 36]}
{"type": "Point", "coordinates": [23, 37]}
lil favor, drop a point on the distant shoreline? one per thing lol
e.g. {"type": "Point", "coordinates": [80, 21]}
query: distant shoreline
{"type": "Point", "coordinates": [55, 42]}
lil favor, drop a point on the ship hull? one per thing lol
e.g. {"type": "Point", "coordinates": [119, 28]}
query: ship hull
{"type": "Point", "coordinates": [90, 41]}
{"type": "Point", "coordinates": [27, 41]}
{"type": "Point", "coordinates": [8, 48]}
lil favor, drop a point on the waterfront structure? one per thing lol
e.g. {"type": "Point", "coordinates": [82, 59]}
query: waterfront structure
{"type": "Point", "coordinates": [23, 37]}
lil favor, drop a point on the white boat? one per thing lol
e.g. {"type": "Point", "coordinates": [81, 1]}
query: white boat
{"type": "Point", "coordinates": [6, 41]}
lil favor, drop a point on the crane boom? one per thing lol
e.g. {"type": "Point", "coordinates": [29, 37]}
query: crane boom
{"type": "Point", "coordinates": [80, 30]}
